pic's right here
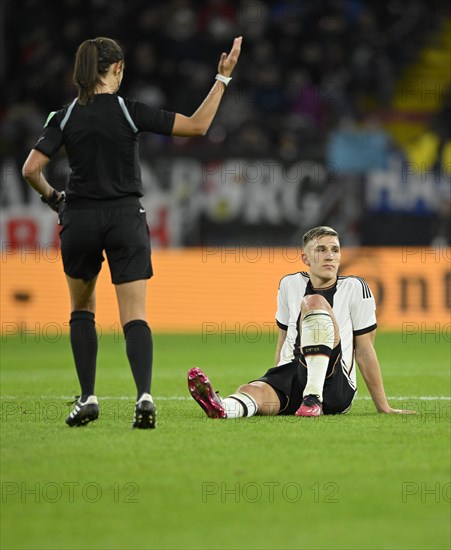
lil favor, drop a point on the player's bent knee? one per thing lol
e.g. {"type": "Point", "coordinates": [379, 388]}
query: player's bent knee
{"type": "Point", "coordinates": [266, 398]}
{"type": "Point", "coordinates": [253, 391]}
{"type": "Point", "coordinates": [314, 301]}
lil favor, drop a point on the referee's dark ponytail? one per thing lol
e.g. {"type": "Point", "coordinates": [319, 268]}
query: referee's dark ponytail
{"type": "Point", "coordinates": [92, 61]}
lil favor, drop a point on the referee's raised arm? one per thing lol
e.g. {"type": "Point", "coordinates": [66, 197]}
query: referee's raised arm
{"type": "Point", "coordinates": [199, 122]}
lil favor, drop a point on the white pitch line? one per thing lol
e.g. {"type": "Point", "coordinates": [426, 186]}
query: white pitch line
{"type": "Point", "coordinates": [410, 398]}
{"type": "Point", "coordinates": [103, 397]}
{"type": "Point", "coordinates": [187, 398]}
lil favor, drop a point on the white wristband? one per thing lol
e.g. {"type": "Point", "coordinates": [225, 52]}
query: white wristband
{"type": "Point", "coordinates": [224, 79]}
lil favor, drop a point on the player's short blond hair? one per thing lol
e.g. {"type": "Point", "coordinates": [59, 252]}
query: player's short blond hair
{"type": "Point", "coordinates": [316, 232]}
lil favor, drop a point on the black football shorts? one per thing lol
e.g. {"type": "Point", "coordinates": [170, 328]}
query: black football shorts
{"type": "Point", "coordinates": [289, 382]}
{"type": "Point", "coordinates": [118, 227]}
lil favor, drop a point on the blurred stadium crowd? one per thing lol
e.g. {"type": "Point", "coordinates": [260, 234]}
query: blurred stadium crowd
{"type": "Point", "coordinates": [306, 64]}
{"type": "Point", "coordinates": [308, 67]}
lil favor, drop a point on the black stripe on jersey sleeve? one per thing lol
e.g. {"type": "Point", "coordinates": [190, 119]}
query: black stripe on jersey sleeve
{"type": "Point", "coordinates": [366, 292]}
{"type": "Point", "coordinates": [365, 330]}
{"type": "Point", "coordinates": [365, 287]}
{"type": "Point", "coordinates": [282, 326]}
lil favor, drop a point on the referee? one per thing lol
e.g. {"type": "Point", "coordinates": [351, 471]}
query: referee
{"type": "Point", "coordinates": [100, 209]}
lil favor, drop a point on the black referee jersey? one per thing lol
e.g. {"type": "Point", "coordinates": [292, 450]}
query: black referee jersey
{"type": "Point", "coordinates": [101, 140]}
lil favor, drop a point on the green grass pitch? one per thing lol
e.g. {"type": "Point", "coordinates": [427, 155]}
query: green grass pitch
{"type": "Point", "coordinates": [362, 480]}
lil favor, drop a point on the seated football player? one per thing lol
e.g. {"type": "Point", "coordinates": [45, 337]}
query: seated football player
{"type": "Point", "coordinates": [326, 323]}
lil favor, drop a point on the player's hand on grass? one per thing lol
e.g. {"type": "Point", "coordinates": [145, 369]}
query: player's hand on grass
{"type": "Point", "coordinates": [389, 410]}
{"type": "Point", "coordinates": [227, 62]}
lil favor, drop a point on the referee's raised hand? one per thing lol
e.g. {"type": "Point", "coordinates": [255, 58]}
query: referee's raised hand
{"type": "Point", "coordinates": [227, 62]}
{"type": "Point", "coordinates": [199, 122]}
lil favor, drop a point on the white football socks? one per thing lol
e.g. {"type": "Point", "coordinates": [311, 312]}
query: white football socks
{"type": "Point", "coordinates": [317, 340]}
{"type": "Point", "coordinates": [239, 404]}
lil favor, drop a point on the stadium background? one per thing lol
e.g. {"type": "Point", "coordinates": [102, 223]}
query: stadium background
{"type": "Point", "coordinates": [338, 114]}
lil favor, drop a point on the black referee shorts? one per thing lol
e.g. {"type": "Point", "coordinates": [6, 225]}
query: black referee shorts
{"type": "Point", "coordinates": [290, 380]}
{"type": "Point", "coordinates": [118, 227]}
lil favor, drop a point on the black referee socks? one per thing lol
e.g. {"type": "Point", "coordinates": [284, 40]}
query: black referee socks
{"type": "Point", "coordinates": [83, 338]}
{"type": "Point", "coordinates": [139, 346]}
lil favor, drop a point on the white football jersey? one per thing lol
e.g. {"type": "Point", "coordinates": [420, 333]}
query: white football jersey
{"type": "Point", "coordinates": [353, 305]}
